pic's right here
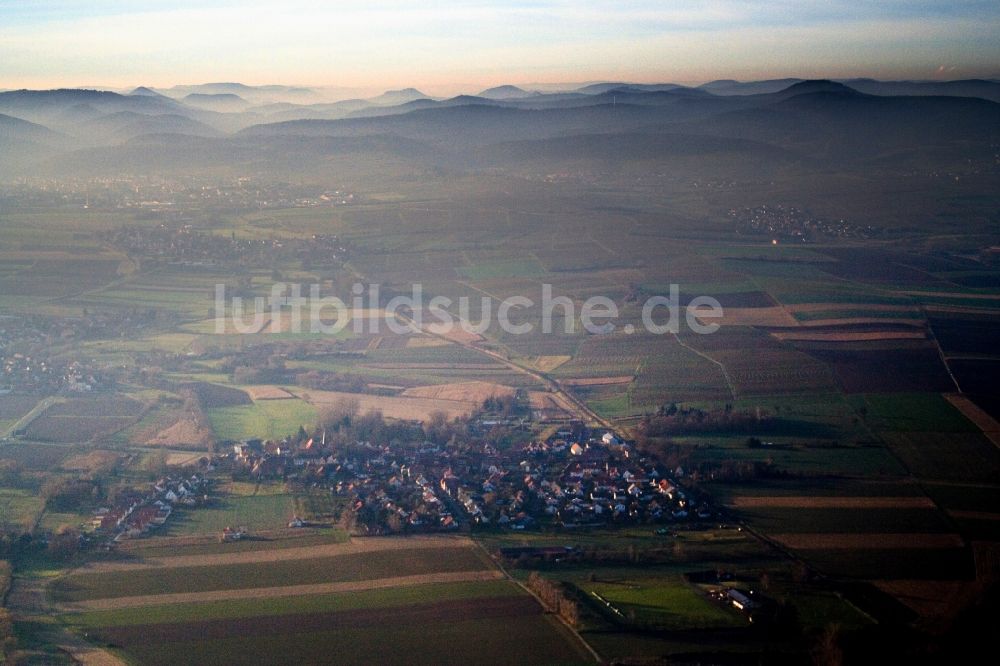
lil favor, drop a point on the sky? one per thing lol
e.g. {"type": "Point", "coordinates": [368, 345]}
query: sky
{"type": "Point", "coordinates": [447, 47]}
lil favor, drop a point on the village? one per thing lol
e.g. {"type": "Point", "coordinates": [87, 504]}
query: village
{"type": "Point", "coordinates": [577, 477]}
{"type": "Point", "coordinates": [135, 513]}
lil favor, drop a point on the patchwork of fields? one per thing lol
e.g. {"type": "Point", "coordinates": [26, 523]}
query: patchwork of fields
{"type": "Point", "coordinates": [424, 600]}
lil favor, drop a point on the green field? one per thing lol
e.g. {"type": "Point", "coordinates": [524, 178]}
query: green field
{"type": "Point", "coordinates": [906, 412]}
{"type": "Point", "coordinates": [255, 512]}
{"type": "Point", "coordinates": [349, 567]}
{"type": "Point", "coordinates": [269, 419]}
{"type": "Point", "coordinates": [293, 605]}
{"type": "Point", "coordinates": [666, 604]}
{"type": "Point", "coordinates": [19, 508]}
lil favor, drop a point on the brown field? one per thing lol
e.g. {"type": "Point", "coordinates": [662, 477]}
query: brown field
{"type": "Point", "coordinates": [474, 391]}
{"type": "Point", "coordinates": [931, 598]}
{"type": "Point", "coordinates": [283, 591]}
{"type": "Point", "coordinates": [185, 426]}
{"type": "Point", "coordinates": [856, 541]}
{"type": "Point", "coordinates": [394, 407]}
{"type": "Point", "coordinates": [420, 341]}
{"type": "Point", "coordinates": [806, 502]}
{"type": "Point", "coordinates": [180, 458]}
{"type": "Point", "coordinates": [90, 461]}
{"type": "Point", "coordinates": [598, 381]}
{"type": "Point", "coordinates": [552, 405]}
{"type": "Point", "coordinates": [184, 432]}
{"type": "Point", "coordinates": [436, 366]}
{"type": "Point", "coordinates": [551, 362]}
{"type": "Point", "coordinates": [772, 316]}
{"type": "Point", "coordinates": [267, 392]}
{"type": "Point", "coordinates": [452, 332]}
{"type": "Point", "coordinates": [355, 545]}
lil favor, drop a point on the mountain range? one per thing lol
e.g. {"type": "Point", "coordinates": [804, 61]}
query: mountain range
{"type": "Point", "coordinates": [749, 126]}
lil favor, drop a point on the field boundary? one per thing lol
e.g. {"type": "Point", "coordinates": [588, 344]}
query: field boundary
{"type": "Point", "coordinates": [114, 603]}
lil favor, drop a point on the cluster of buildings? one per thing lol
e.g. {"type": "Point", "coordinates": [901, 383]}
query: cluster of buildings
{"type": "Point", "coordinates": [578, 477]}
{"type": "Point", "coordinates": [790, 222]}
{"type": "Point", "coordinates": [31, 373]}
{"type": "Point", "coordinates": [134, 512]}
{"type": "Point", "coordinates": [186, 245]}
{"type": "Point", "coordinates": [168, 194]}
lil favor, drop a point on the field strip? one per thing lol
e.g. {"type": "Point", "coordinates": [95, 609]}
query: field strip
{"type": "Point", "coordinates": [725, 373]}
{"type": "Point", "coordinates": [355, 545]}
{"type": "Point", "coordinates": [282, 591]}
{"type": "Point", "coordinates": [88, 655]}
{"type": "Point", "coordinates": [844, 336]}
{"type": "Point", "coordinates": [34, 413]}
{"type": "Point", "coordinates": [862, 541]}
{"type": "Point", "coordinates": [947, 294]}
{"type": "Point", "coordinates": [807, 502]}
{"type": "Point", "coordinates": [973, 515]}
{"type": "Point", "coordinates": [834, 306]}
{"type": "Point", "coordinates": [853, 321]}
{"type": "Point", "coordinates": [973, 412]}
{"type": "Point", "coordinates": [598, 381]}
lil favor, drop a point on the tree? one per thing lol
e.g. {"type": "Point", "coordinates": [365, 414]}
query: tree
{"type": "Point", "coordinates": [65, 543]}
{"type": "Point", "coordinates": [340, 413]}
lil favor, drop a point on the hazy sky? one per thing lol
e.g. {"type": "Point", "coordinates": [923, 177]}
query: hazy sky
{"type": "Point", "coordinates": [443, 46]}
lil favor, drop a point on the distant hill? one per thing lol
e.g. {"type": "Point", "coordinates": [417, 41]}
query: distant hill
{"type": "Point", "coordinates": [814, 86]}
{"type": "Point", "coordinates": [147, 92]}
{"type": "Point", "coordinates": [125, 125]}
{"type": "Point", "coordinates": [982, 88]}
{"type": "Point", "coordinates": [598, 88]}
{"type": "Point", "coordinates": [418, 104]}
{"type": "Point", "coordinates": [393, 97]}
{"type": "Point", "coordinates": [42, 106]}
{"type": "Point", "coordinates": [253, 94]}
{"type": "Point", "coordinates": [820, 123]}
{"type": "Point", "coordinates": [732, 87]}
{"type": "Point", "coordinates": [23, 144]}
{"type": "Point", "coordinates": [15, 129]}
{"type": "Point", "coordinates": [223, 102]}
{"type": "Point", "coordinates": [504, 92]}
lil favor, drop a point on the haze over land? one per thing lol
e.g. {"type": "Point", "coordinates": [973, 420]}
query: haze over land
{"type": "Point", "coordinates": [527, 333]}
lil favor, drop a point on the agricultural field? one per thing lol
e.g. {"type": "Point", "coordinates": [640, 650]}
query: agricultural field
{"type": "Point", "coordinates": [19, 508]}
{"type": "Point", "coordinates": [262, 419]}
{"type": "Point", "coordinates": [406, 408]}
{"type": "Point", "coordinates": [853, 468]}
{"type": "Point", "coordinates": [665, 604]}
{"type": "Point", "coordinates": [259, 512]}
{"type": "Point", "coordinates": [439, 598]}
{"type": "Point", "coordinates": [83, 419]}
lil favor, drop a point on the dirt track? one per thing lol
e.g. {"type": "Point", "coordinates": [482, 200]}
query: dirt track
{"type": "Point", "coordinates": [356, 545]}
{"type": "Point", "coordinates": [283, 591]}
